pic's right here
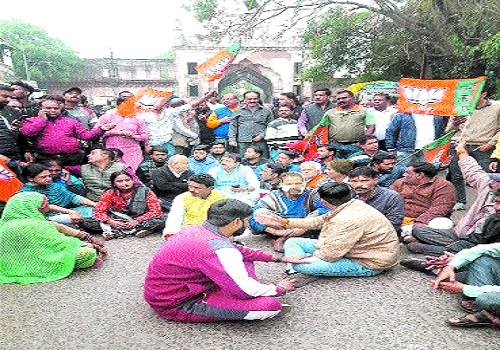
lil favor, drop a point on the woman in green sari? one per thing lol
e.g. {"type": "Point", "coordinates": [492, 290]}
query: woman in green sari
{"type": "Point", "coordinates": [34, 250]}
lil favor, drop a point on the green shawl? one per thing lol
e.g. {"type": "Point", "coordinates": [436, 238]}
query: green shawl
{"type": "Point", "coordinates": [32, 250]}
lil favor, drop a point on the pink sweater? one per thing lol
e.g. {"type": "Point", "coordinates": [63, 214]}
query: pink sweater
{"type": "Point", "coordinates": [197, 260]}
{"type": "Point", "coordinates": [58, 136]}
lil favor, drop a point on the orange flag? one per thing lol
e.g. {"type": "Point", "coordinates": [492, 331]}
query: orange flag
{"type": "Point", "coordinates": [449, 97]}
{"type": "Point", "coordinates": [144, 100]}
{"type": "Point", "coordinates": [216, 65]}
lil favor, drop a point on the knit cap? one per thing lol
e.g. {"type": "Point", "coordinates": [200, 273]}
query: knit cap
{"type": "Point", "coordinates": [342, 166]}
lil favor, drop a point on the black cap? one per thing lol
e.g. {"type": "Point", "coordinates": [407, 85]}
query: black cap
{"type": "Point", "coordinates": [75, 88]}
{"type": "Point", "coordinates": [5, 87]}
{"type": "Point", "coordinates": [24, 85]}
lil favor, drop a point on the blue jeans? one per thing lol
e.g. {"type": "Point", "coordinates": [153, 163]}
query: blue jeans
{"type": "Point", "coordinates": [489, 302]}
{"type": "Point", "coordinates": [484, 271]}
{"type": "Point", "coordinates": [340, 268]}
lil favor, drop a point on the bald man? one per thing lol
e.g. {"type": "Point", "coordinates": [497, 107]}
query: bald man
{"type": "Point", "coordinates": [170, 180]}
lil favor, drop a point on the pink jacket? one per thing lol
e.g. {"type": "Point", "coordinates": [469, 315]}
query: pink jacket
{"type": "Point", "coordinates": [58, 136]}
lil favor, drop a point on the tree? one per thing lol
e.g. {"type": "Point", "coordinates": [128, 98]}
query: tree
{"type": "Point", "coordinates": [443, 37]}
{"type": "Point", "coordinates": [47, 59]}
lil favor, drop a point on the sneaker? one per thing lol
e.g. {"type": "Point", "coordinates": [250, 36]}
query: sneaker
{"type": "Point", "coordinates": [414, 264]}
{"type": "Point", "coordinates": [459, 206]}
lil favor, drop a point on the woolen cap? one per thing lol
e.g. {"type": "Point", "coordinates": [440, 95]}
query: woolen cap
{"type": "Point", "coordinates": [342, 166]}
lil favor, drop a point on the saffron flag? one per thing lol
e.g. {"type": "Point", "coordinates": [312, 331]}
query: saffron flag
{"type": "Point", "coordinates": [437, 150]}
{"type": "Point", "coordinates": [144, 100]}
{"type": "Point", "coordinates": [449, 97]}
{"type": "Point", "coordinates": [319, 134]}
{"type": "Point", "coordinates": [216, 65]}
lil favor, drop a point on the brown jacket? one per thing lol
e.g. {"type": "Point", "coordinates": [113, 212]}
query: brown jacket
{"type": "Point", "coordinates": [426, 201]}
{"type": "Point", "coordinates": [356, 231]}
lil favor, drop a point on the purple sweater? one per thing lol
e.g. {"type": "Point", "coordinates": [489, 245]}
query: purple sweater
{"type": "Point", "coordinates": [59, 135]}
{"type": "Point", "coordinates": [199, 259]}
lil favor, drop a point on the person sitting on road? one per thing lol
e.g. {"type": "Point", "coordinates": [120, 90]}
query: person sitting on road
{"type": "Point", "coordinates": [157, 158]}
{"type": "Point", "coordinates": [127, 209]}
{"type": "Point", "coordinates": [390, 203]}
{"type": "Point", "coordinates": [34, 250]}
{"type": "Point", "coordinates": [199, 275]}
{"type": "Point", "coordinates": [271, 177]}
{"type": "Point", "coordinates": [236, 180]}
{"type": "Point", "coordinates": [355, 240]}
{"type": "Point", "coordinates": [171, 180]}
{"type": "Point", "coordinates": [426, 196]}
{"type": "Point", "coordinates": [292, 200]}
{"type": "Point", "coordinates": [202, 161]}
{"type": "Point", "coordinates": [312, 173]}
{"type": "Point", "coordinates": [369, 145]}
{"type": "Point", "coordinates": [62, 177]}
{"type": "Point", "coordinates": [388, 172]}
{"type": "Point", "coordinates": [338, 170]}
{"type": "Point", "coordinates": [481, 287]}
{"type": "Point", "coordinates": [72, 207]}
{"type": "Point", "coordinates": [190, 208]}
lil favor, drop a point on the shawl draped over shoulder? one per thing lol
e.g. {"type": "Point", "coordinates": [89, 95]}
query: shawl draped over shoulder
{"type": "Point", "coordinates": [32, 250]}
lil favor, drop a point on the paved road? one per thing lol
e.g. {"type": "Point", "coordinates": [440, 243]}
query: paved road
{"type": "Point", "coordinates": [104, 309]}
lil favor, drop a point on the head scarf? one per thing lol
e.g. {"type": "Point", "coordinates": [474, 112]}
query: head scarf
{"type": "Point", "coordinates": [32, 250]}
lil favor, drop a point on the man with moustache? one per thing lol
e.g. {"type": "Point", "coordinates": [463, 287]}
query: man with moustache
{"type": "Point", "coordinates": [390, 203]}
{"type": "Point", "coordinates": [249, 123]}
{"type": "Point", "coordinates": [312, 114]}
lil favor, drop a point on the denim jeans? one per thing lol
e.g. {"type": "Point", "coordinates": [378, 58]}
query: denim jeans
{"type": "Point", "coordinates": [489, 302]}
{"type": "Point", "coordinates": [340, 268]}
{"type": "Point", "coordinates": [484, 271]}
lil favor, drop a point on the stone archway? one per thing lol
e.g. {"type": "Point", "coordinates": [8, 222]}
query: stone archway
{"type": "Point", "coordinates": [244, 72]}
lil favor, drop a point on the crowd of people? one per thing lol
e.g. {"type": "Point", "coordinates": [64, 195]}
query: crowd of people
{"type": "Point", "coordinates": [200, 173]}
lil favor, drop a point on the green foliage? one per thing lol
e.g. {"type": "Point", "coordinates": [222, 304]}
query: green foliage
{"type": "Point", "coordinates": [167, 56]}
{"type": "Point", "coordinates": [204, 10]}
{"type": "Point", "coordinates": [48, 59]}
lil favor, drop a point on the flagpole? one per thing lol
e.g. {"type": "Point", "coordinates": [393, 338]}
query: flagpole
{"type": "Point", "coordinates": [408, 156]}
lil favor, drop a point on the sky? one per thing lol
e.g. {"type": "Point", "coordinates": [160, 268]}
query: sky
{"type": "Point", "coordinates": [131, 29]}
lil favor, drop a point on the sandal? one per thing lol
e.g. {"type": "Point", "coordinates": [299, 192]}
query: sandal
{"type": "Point", "coordinates": [469, 306]}
{"type": "Point", "coordinates": [467, 322]}
{"type": "Point", "coordinates": [142, 233]}
{"type": "Point", "coordinates": [108, 236]}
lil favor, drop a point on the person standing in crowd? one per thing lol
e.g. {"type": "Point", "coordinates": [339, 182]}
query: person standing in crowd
{"type": "Point", "coordinates": [480, 132]}
{"type": "Point", "coordinates": [291, 99]}
{"type": "Point", "coordinates": [382, 112]}
{"type": "Point", "coordinates": [21, 93]}
{"type": "Point", "coordinates": [281, 130]}
{"type": "Point", "coordinates": [348, 122]}
{"type": "Point", "coordinates": [312, 114]}
{"type": "Point", "coordinates": [207, 135]}
{"type": "Point", "coordinates": [221, 117]}
{"type": "Point", "coordinates": [248, 124]}
{"type": "Point", "coordinates": [127, 136]}
{"type": "Point", "coordinates": [58, 136]}
{"type": "Point", "coordinates": [72, 105]}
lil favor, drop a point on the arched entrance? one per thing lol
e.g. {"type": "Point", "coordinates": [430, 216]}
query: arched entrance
{"type": "Point", "coordinates": [240, 78]}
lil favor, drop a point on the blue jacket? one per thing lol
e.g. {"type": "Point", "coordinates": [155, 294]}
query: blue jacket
{"type": "Point", "coordinates": [401, 134]}
{"type": "Point", "coordinates": [204, 166]}
{"type": "Point", "coordinates": [223, 129]}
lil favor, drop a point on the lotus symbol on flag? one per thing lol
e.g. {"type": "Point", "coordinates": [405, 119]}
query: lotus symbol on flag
{"type": "Point", "coordinates": [423, 96]}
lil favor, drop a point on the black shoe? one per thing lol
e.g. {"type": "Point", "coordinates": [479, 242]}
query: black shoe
{"type": "Point", "coordinates": [415, 264]}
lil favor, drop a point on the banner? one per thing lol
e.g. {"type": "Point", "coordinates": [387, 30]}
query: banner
{"type": "Point", "coordinates": [449, 97]}
{"type": "Point", "coordinates": [437, 150]}
{"type": "Point", "coordinates": [216, 65]}
{"type": "Point", "coordinates": [143, 101]}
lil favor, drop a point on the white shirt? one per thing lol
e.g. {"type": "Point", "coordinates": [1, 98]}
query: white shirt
{"type": "Point", "coordinates": [382, 120]}
{"type": "Point", "coordinates": [425, 130]}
